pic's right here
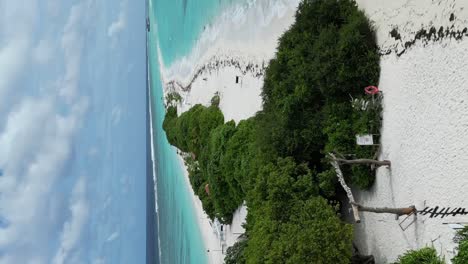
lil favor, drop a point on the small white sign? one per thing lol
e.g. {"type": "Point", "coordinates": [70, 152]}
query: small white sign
{"type": "Point", "coordinates": [364, 140]}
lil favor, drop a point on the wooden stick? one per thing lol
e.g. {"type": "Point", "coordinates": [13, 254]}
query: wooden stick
{"type": "Point", "coordinates": [339, 174]}
{"type": "Point", "coordinates": [387, 210]}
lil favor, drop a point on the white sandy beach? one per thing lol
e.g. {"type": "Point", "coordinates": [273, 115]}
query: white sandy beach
{"type": "Point", "coordinates": [425, 127]}
{"type": "Point", "coordinates": [248, 36]}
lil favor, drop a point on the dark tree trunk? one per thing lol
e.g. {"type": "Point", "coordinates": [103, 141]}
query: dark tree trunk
{"type": "Point", "coordinates": [365, 161]}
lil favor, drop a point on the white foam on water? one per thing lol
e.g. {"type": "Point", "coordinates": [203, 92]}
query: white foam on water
{"type": "Point", "coordinates": [235, 29]}
{"type": "Point", "coordinates": [153, 158]}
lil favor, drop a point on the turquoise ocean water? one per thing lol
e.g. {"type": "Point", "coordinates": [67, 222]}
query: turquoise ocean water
{"type": "Point", "coordinates": [175, 26]}
{"type": "Point", "coordinates": [180, 23]}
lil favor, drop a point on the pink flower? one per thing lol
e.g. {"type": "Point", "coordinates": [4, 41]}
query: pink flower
{"type": "Point", "coordinates": [371, 90]}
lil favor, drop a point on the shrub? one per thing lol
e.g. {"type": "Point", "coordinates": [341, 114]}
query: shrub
{"type": "Point", "coordinates": [225, 194]}
{"type": "Point", "coordinates": [427, 255]}
{"type": "Point", "coordinates": [235, 254]}
{"type": "Point", "coordinates": [173, 98]}
{"type": "Point", "coordinates": [462, 235]}
{"type": "Point", "coordinates": [190, 131]}
{"type": "Point", "coordinates": [311, 233]}
{"type": "Point", "coordinates": [462, 256]}
{"type": "Point", "coordinates": [327, 57]}
{"type": "Point", "coordinates": [462, 238]}
{"type": "Point", "coordinates": [216, 100]}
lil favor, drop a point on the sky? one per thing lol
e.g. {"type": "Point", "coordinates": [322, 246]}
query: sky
{"type": "Point", "coordinates": [72, 131]}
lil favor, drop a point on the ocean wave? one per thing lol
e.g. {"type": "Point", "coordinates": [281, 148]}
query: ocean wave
{"type": "Point", "coordinates": [232, 25]}
{"type": "Point", "coordinates": [153, 160]}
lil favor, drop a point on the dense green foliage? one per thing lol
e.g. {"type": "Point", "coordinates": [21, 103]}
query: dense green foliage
{"type": "Point", "coordinates": [216, 99]}
{"type": "Point", "coordinates": [462, 256]}
{"type": "Point", "coordinates": [313, 103]}
{"type": "Point", "coordinates": [235, 254]}
{"type": "Point", "coordinates": [462, 235]}
{"type": "Point", "coordinates": [427, 255]}
{"type": "Point", "coordinates": [173, 98]}
{"type": "Point", "coordinates": [291, 223]}
{"type": "Point", "coordinates": [462, 239]}
{"type": "Point", "coordinates": [190, 132]}
{"type": "Point", "coordinates": [327, 57]}
{"type": "Point", "coordinates": [201, 132]}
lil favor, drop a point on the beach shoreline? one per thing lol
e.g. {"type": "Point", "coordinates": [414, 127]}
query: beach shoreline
{"type": "Point", "coordinates": [214, 70]}
{"type": "Point", "coordinates": [232, 64]}
{"type": "Point", "coordinates": [216, 240]}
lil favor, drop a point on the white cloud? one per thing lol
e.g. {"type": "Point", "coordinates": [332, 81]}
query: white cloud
{"type": "Point", "coordinates": [113, 237]}
{"type": "Point", "coordinates": [16, 41]}
{"type": "Point", "coordinates": [32, 156]}
{"type": "Point", "coordinates": [72, 229]}
{"type": "Point", "coordinates": [116, 115]}
{"type": "Point", "coordinates": [13, 57]}
{"type": "Point", "coordinates": [121, 23]}
{"type": "Point", "coordinates": [36, 140]}
{"type": "Point", "coordinates": [72, 45]}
